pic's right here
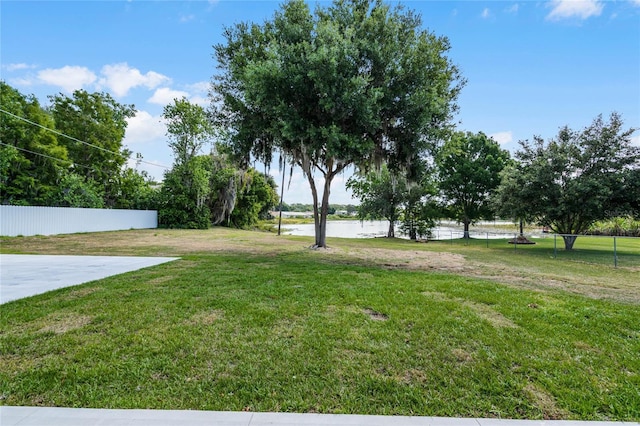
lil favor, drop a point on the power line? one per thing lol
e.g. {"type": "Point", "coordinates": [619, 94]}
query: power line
{"type": "Point", "coordinates": [45, 155]}
{"type": "Point", "coordinates": [77, 140]}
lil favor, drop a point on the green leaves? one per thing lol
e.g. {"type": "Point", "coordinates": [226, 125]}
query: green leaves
{"type": "Point", "coordinates": [469, 167]}
{"type": "Point", "coordinates": [96, 124]}
{"type": "Point", "coordinates": [574, 179]}
{"type": "Point", "coordinates": [188, 128]}
{"type": "Point", "coordinates": [356, 83]}
{"type": "Point", "coordinates": [35, 157]}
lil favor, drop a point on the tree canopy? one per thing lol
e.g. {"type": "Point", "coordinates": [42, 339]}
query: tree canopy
{"type": "Point", "coordinates": [188, 128]}
{"type": "Point", "coordinates": [33, 158]}
{"type": "Point", "coordinates": [381, 196]}
{"type": "Point", "coordinates": [574, 179]}
{"type": "Point", "coordinates": [469, 167]}
{"type": "Point", "coordinates": [355, 83]}
{"type": "Point", "coordinates": [96, 124]}
{"type": "Point", "coordinates": [391, 196]}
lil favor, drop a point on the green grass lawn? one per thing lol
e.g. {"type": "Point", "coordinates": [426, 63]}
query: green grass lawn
{"type": "Point", "coordinates": [249, 321]}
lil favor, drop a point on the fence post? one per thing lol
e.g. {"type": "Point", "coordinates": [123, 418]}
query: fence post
{"type": "Point", "coordinates": [487, 240]}
{"type": "Point", "coordinates": [555, 246]}
{"type": "Point", "coordinates": [615, 253]}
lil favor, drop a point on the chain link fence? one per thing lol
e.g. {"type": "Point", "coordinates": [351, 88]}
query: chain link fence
{"type": "Point", "coordinates": [610, 250]}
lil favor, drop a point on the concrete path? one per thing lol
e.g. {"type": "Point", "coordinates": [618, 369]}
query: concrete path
{"type": "Point", "coordinates": [28, 275]}
{"type": "Point", "coordinates": [43, 416]}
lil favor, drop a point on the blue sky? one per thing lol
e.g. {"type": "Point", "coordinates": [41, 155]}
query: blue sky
{"type": "Point", "coordinates": [531, 66]}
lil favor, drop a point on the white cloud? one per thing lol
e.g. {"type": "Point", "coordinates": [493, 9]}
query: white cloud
{"type": "Point", "coordinates": [120, 78]}
{"type": "Point", "coordinates": [70, 78]}
{"type": "Point", "coordinates": [200, 100]}
{"type": "Point", "coordinates": [17, 67]}
{"type": "Point", "coordinates": [581, 9]}
{"type": "Point", "coordinates": [202, 86]}
{"type": "Point", "coordinates": [23, 81]}
{"type": "Point", "coordinates": [165, 95]}
{"type": "Point", "coordinates": [144, 127]}
{"type": "Point", "coordinates": [635, 140]}
{"type": "Point", "coordinates": [187, 18]}
{"type": "Point", "coordinates": [636, 2]}
{"type": "Point", "coordinates": [200, 91]}
{"type": "Point", "coordinates": [486, 13]}
{"type": "Point", "coordinates": [513, 9]}
{"type": "Point", "coordinates": [502, 137]}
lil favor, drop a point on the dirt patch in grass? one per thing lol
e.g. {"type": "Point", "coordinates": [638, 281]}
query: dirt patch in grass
{"type": "Point", "coordinates": [461, 355]}
{"type": "Point", "coordinates": [148, 242]}
{"type": "Point", "coordinates": [586, 286]}
{"type": "Point", "coordinates": [490, 315]}
{"type": "Point", "coordinates": [63, 323]}
{"type": "Point", "coordinates": [403, 259]}
{"type": "Point", "coordinates": [414, 376]}
{"type": "Point", "coordinates": [161, 280]}
{"type": "Point", "coordinates": [375, 315]}
{"type": "Point", "coordinates": [80, 293]}
{"type": "Point", "coordinates": [206, 318]}
{"type": "Point", "coordinates": [482, 310]}
{"type": "Point", "coordinates": [545, 402]}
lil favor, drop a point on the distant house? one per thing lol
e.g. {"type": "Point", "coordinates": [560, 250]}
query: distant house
{"type": "Point", "coordinates": [303, 215]}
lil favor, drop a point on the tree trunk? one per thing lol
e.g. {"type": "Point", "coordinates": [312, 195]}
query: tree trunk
{"type": "Point", "coordinates": [569, 240]}
{"type": "Point", "coordinates": [466, 229]}
{"type": "Point", "coordinates": [320, 212]}
{"type": "Point", "coordinates": [284, 168]}
{"type": "Point", "coordinates": [316, 215]}
{"type": "Point", "coordinates": [521, 227]}
{"type": "Point", "coordinates": [392, 232]}
{"type": "Point", "coordinates": [321, 235]}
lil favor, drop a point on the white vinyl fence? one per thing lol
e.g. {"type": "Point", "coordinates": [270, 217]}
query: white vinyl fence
{"type": "Point", "coordinates": [31, 220]}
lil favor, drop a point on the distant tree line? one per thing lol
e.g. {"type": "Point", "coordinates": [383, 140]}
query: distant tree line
{"type": "Point", "coordinates": [333, 208]}
{"type": "Point", "coordinates": [566, 184]}
{"type": "Point", "coordinates": [70, 154]}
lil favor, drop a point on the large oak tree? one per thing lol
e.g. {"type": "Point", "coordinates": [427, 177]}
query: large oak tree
{"type": "Point", "coordinates": [357, 83]}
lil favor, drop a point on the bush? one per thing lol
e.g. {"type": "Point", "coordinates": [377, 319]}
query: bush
{"type": "Point", "coordinates": [617, 226]}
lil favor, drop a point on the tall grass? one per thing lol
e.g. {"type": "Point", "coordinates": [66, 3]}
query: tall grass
{"type": "Point", "coordinates": [618, 226]}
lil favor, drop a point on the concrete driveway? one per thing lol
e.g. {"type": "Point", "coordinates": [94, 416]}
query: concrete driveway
{"type": "Point", "coordinates": [28, 275]}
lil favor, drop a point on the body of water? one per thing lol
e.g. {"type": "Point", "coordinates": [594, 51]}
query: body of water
{"type": "Point", "coordinates": [379, 228]}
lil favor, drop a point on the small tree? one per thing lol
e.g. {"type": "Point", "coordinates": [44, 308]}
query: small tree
{"type": "Point", "coordinates": [75, 191]}
{"type": "Point", "coordinates": [188, 128]}
{"type": "Point", "coordinates": [573, 180]}
{"type": "Point", "coordinates": [469, 167]}
{"type": "Point", "coordinates": [256, 197]}
{"type": "Point", "coordinates": [420, 210]}
{"type": "Point", "coordinates": [184, 197]}
{"type": "Point", "coordinates": [381, 196]}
